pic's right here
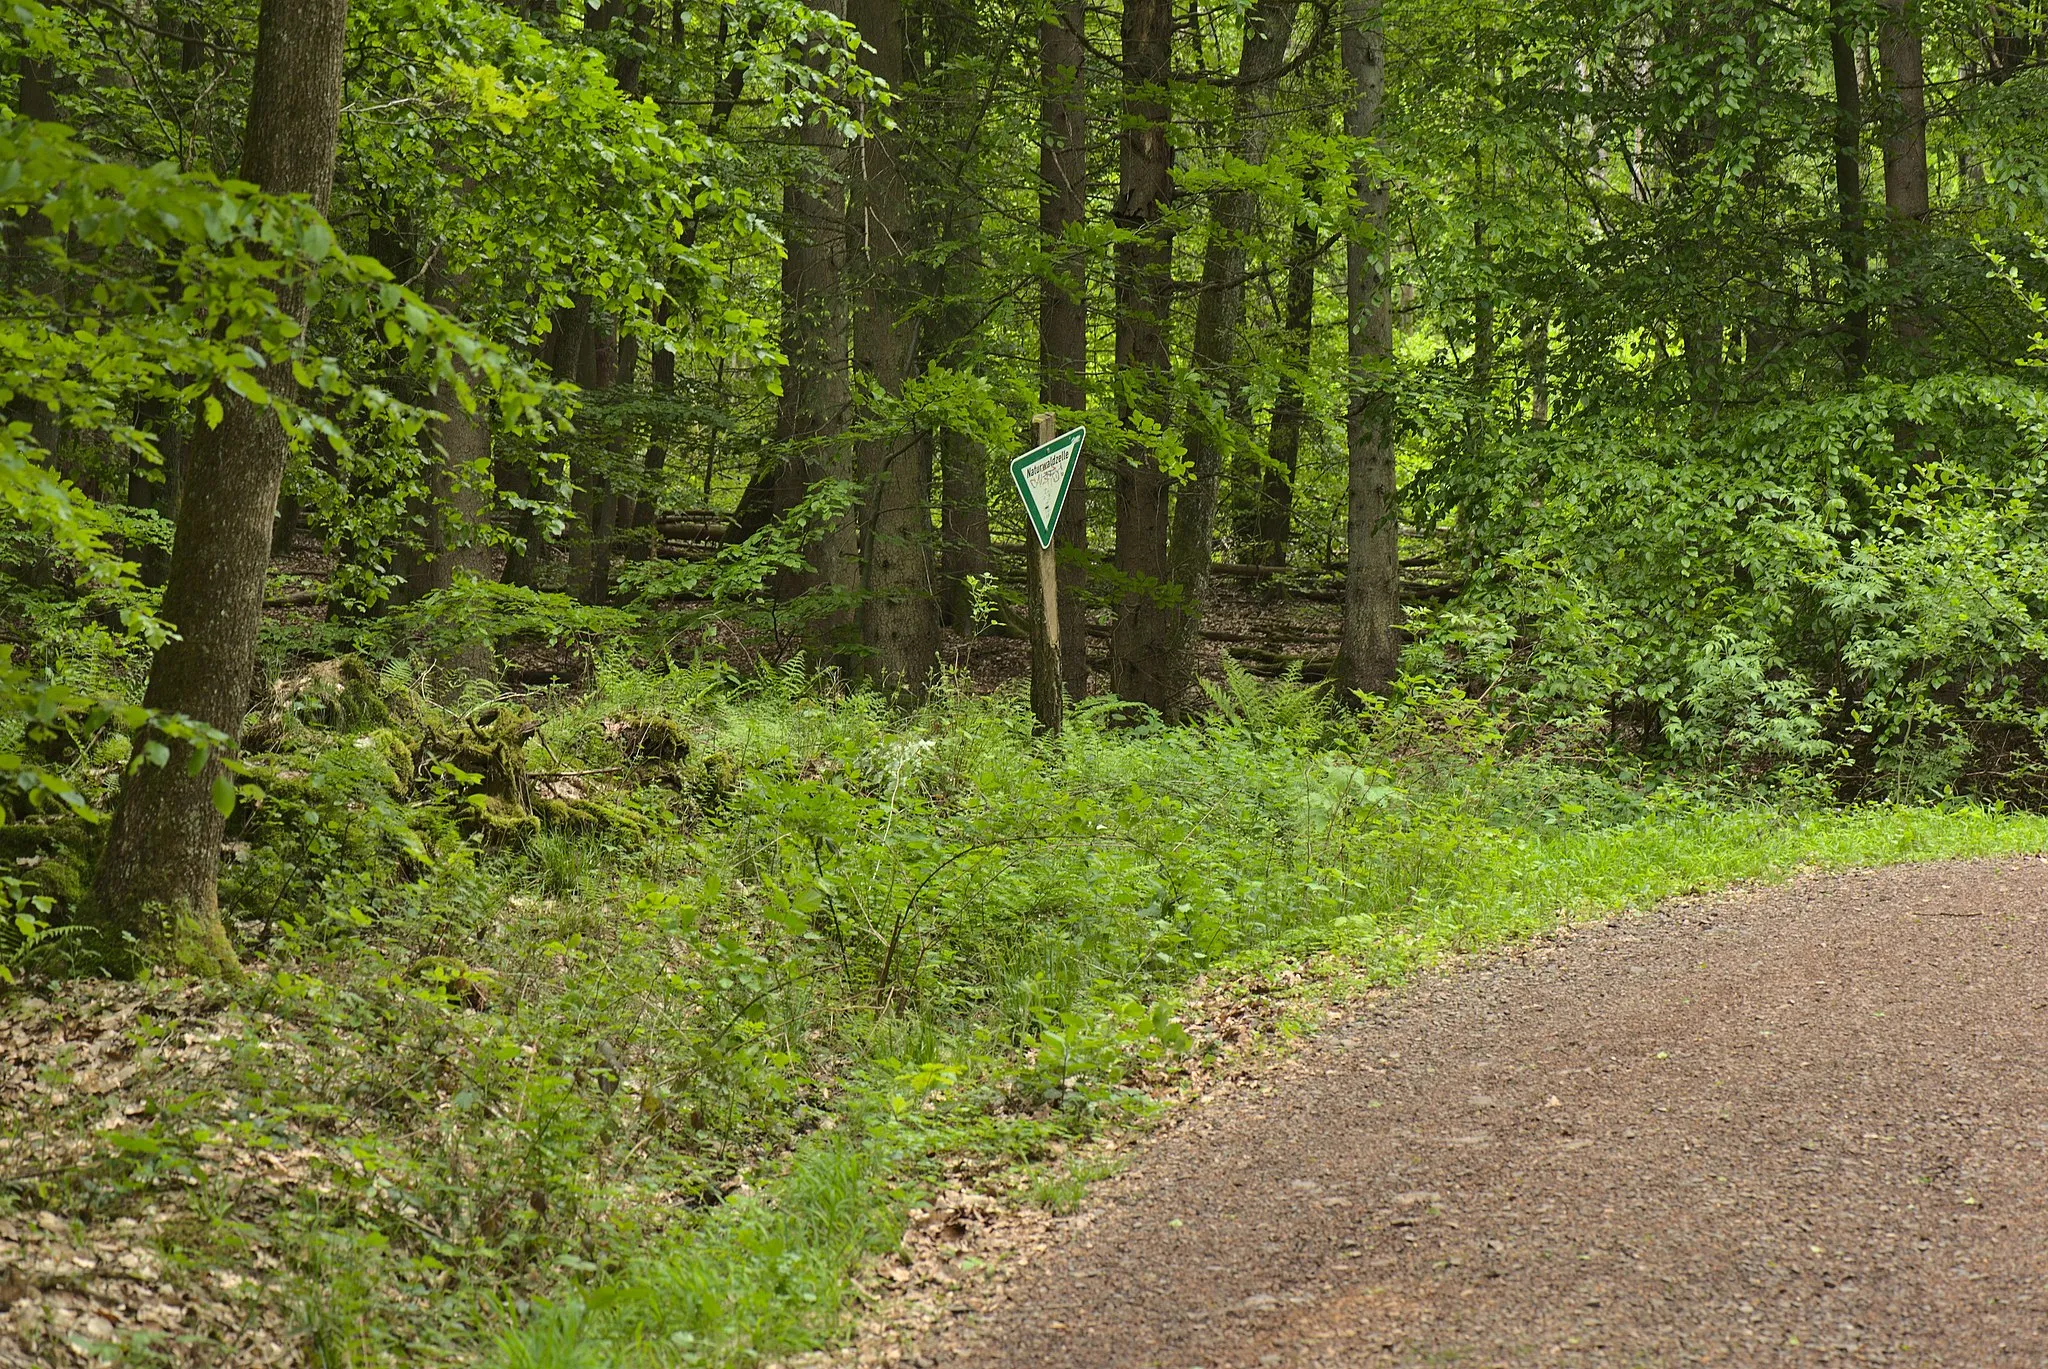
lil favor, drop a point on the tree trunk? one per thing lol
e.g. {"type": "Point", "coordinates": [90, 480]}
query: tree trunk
{"type": "Point", "coordinates": [159, 495]}
{"type": "Point", "coordinates": [1142, 642]}
{"type": "Point", "coordinates": [1063, 299]}
{"type": "Point", "coordinates": [1369, 649]}
{"type": "Point", "coordinates": [1848, 137]}
{"type": "Point", "coordinates": [458, 471]}
{"type": "Point", "coordinates": [1219, 316]}
{"type": "Point", "coordinates": [589, 486]}
{"type": "Point", "coordinates": [661, 369]}
{"type": "Point", "coordinates": [1536, 360]}
{"type": "Point", "coordinates": [155, 894]}
{"type": "Point", "coordinates": [1482, 343]}
{"type": "Point", "coordinates": [963, 523]}
{"type": "Point", "coordinates": [899, 607]}
{"type": "Point", "coordinates": [1905, 153]}
{"type": "Point", "coordinates": [36, 98]}
{"type": "Point", "coordinates": [562, 354]}
{"type": "Point", "coordinates": [811, 418]}
{"type": "Point", "coordinates": [1275, 526]}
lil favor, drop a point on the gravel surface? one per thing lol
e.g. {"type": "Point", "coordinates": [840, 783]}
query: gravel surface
{"type": "Point", "coordinates": [1802, 1125]}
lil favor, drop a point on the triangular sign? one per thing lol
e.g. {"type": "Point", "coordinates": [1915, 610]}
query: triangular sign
{"type": "Point", "coordinates": [1043, 476]}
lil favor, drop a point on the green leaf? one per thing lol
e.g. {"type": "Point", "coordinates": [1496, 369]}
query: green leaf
{"type": "Point", "coordinates": [224, 794]}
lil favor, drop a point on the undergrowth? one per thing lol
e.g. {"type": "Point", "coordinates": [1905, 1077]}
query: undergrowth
{"type": "Point", "coordinates": [643, 1077]}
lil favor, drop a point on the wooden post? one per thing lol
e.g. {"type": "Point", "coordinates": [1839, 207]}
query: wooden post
{"type": "Point", "coordinates": [1048, 699]}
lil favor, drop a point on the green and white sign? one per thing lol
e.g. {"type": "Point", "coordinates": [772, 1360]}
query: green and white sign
{"type": "Point", "coordinates": [1043, 476]}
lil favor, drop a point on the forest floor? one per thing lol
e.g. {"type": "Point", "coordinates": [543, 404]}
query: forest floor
{"type": "Point", "coordinates": [1795, 1125]}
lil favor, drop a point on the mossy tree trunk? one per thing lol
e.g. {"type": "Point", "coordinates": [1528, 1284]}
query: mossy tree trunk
{"type": "Point", "coordinates": [899, 607]}
{"type": "Point", "coordinates": [1369, 652]}
{"type": "Point", "coordinates": [155, 893]}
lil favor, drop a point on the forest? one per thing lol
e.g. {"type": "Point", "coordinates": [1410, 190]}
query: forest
{"type": "Point", "coordinates": [529, 833]}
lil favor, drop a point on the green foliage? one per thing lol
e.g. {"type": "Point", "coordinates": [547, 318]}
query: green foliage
{"type": "Point", "coordinates": [478, 610]}
{"type": "Point", "coordinates": [658, 1085]}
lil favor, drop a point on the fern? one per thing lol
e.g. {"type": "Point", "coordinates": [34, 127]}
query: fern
{"type": "Point", "coordinates": [27, 943]}
{"type": "Point", "coordinates": [396, 676]}
{"type": "Point", "coordinates": [1282, 708]}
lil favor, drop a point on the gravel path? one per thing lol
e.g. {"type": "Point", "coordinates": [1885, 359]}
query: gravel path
{"type": "Point", "coordinates": [1803, 1125]}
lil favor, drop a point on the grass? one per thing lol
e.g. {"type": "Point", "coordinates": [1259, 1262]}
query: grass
{"type": "Point", "coordinates": [647, 1088]}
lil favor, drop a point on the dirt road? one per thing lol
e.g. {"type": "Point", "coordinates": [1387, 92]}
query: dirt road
{"type": "Point", "coordinates": [1804, 1125]}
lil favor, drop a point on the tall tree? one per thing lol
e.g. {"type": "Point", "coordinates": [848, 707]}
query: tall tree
{"type": "Point", "coordinates": [1900, 53]}
{"type": "Point", "coordinates": [1219, 317]}
{"type": "Point", "coordinates": [812, 415]}
{"type": "Point", "coordinates": [1274, 525]}
{"type": "Point", "coordinates": [1063, 293]}
{"type": "Point", "coordinates": [953, 144]}
{"type": "Point", "coordinates": [1848, 140]}
{"type": "Point", "coordinates": [155, 893]}
{"type": "Point", "coordinates": [1369, 649]}
{"type": "Point", "coordinates": [562, 352]}
{"type": "Point", "coordinates": [899, 610]}
{"type": "Point", "coordinates": [1141, 645]}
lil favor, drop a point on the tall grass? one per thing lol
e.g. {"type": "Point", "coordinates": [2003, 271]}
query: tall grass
{"type": "Point", "coordinates": [979, 932]}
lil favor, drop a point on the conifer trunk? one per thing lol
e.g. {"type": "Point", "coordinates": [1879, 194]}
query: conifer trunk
{"type": "Point", "coordinates": [899, 607]}
{"type": "Point", "coordinates": [1141, 646]}
{"type": "Point", "coordinates": [1275, 523]}
{"type": "Point", "coordinates": [1848, 138]}
{"type": "Point", "coordinates": [1899, 52]}
{"type": "Point", "coordinates": [811, 417]}
{"type": "Point", "coordinates": [155, 894]}
{"type": "Point", "coordinates": [1369, 649]}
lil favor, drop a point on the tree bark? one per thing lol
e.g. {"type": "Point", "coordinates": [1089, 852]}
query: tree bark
{"type": "Point", "coordinates": [1899, 52]}
{"type": "Point", "coordinates": [596, 364]}
{"type": "Point", "coordinates": [661, 369]}
{"type": "Point", "coordinates": [1219, 317]}
{"type": "Point", "coordinates": [562, 354]}
{"type": "Point", "coordinates": [155, 894]}
{"type": "Point", "coordinates": [458, 471]}
{"type": "Point", "coordinates": [1848, 138]}
{"type": "Point", "coordinates": [1274, 529]}
{"type": "Point", "coordinates": [1369, 647]}
{"type": "Point", "coordinates": [1141, 644]}
{"type": "Point", "coordinates": [899, 606]}
{"type": "Point", "coordinates": [811, 418]}
{"type": "Point", "coordinates": [456, 455]}
{"type": "Point", "coordinates": [1063, 297]}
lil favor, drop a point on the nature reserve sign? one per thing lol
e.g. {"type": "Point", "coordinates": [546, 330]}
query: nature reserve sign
{"type": "Point", "coordinates": [1043, 476]}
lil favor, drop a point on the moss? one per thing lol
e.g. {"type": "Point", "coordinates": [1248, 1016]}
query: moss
{"type": "Point", "coordinates": [585, 815]}
{"type": "Point", "coordinates": [194, 942]}
{"type": "Point", "coordinates": [498, 822]}
{"type": "Point", "coordinates": [398, 752]}
{"type": "Point", "coordinates": [53, 860]}
{"type": "Point", "coordinates": [341, 695]}
{"type": "Point", "coordinates": [490, 746]}
{"type": "Point", "coordinates": [722, 777]}
{"type": "Point", "coordinates": [647, 737]}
